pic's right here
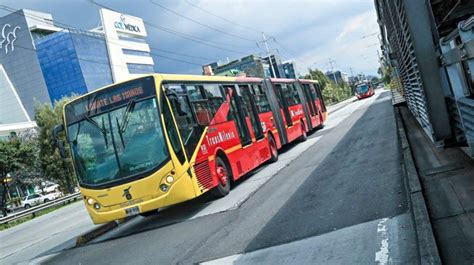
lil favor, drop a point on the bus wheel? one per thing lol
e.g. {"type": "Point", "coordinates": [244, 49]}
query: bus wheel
{"type": "Point", "coordinates": [224, 175]}
{"type": "Point", "coordinates": [304, 135]}
{"type": "Point", "coordinates": [273, 149]}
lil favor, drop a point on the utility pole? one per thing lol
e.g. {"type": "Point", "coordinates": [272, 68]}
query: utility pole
{"type": "Point", "coordinates": [265, 41]}
{"type": "Point", "coordinates": [331, 61]}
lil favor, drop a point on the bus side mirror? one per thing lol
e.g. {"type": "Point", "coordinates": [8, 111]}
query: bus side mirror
{"type": "Point", "coordinates": [57, 142]}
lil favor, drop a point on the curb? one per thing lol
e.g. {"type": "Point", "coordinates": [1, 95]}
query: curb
{"type": "Point", "coordinates": [427, 248]}
{"type": "Point", "coordinates": [94, 233]}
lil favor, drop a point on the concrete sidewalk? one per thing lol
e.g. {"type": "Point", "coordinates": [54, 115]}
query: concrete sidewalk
{"type": "Point", "coordinates": [447, 180]}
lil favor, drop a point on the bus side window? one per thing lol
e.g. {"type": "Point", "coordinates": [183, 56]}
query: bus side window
{"type": "Point", "coordinates": [295, 97]}
{"type": "Point", "coordinates": [172, 132]}
{"type": "Point", "coordinates": [261, 100]}
{"type": "Point", "coordinates": [199, 104]}
{"type": "Point", "coordinates": [188, 127]}
{"type": "Point", "coordinates": [214, 96]}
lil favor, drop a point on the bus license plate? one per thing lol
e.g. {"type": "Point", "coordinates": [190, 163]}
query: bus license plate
{"type": "Point", "coordinates": [132, 211]}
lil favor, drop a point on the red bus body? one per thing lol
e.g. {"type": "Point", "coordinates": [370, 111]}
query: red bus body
{"type": "Point", "coordinates": [365, 94]}
{"type": "Point", "coordinates": [246, 144]}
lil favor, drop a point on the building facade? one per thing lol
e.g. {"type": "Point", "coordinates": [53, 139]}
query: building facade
{"type": "Point", "coordinates": [289, 69]}
{"type": "Point", "coordinates": [21, 69]}
{"type": "Point", "coordinates": [251, 66]}
{"type": "Point", "coordinates": [73, 62]}
{"type": "Point", "coordinates": [337, 77]}
{"type": "Point", "coordinates": [41, 63]}
{"type": "Point", "coordinates": [128, 50]}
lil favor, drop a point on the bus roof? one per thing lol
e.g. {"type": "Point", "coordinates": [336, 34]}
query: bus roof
{"type": "Point", "coordinates": [282, 80]}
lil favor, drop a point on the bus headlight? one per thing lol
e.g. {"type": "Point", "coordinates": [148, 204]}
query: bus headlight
{"type": "Point", "coordinates": [96, 206]}
{"type": "Point", "coordinates": [164, 187]}
{"type": "Point", "coordinates": [169, 179]}
{"type": "Point", "coordinates": [90, 201]}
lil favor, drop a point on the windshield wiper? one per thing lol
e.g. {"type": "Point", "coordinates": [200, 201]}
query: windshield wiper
{"type": "Point", "coordinates": [122, 126]}
{"type": "Point", "coordinates": [126, 116]}
{"type": "Point", "coordinates": [102, 129]}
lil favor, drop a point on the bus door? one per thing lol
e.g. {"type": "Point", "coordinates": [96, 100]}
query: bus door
{"type": "Point", "coordinates": [238, 116]}
{"type": "Point", "coordinates": [283, 104]}
{"type": "Point", "coordinates": [311, 101]}
{"type": "Point", "coordinates": [250, 110]}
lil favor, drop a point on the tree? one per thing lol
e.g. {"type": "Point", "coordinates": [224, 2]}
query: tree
{"type": "Point", "coordinates": [331, 92]}
{"type": "Point", "coordinates": [55, 168]}
{"type": "Point", "coordinates": [17, 161]}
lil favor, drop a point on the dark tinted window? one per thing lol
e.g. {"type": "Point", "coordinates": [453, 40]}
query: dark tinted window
{"type": "Point", "coordinates": [261, 100]}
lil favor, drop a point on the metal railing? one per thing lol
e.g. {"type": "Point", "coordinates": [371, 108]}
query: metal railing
{"type": "Point", "coordinates": [36, 209]}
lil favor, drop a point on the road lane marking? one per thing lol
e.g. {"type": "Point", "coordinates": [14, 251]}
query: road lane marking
{"type": "Point", "coordinates": [381, 256]}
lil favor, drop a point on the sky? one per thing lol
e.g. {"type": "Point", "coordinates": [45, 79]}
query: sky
{"type": "Point", "coordinates": [310, 33]}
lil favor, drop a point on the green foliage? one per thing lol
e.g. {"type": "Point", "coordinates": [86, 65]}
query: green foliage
{"type": "Point", "coordinates": [331, 93]}
{"type": "Point", "coordinates": [55, 168]}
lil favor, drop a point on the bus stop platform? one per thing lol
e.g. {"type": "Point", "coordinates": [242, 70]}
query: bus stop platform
{"type": "Point", "coordinates": [447, 181]}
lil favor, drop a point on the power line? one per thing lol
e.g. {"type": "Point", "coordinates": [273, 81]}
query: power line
{"type": "Point", "coordinates": [199, 23]}
{"type": "Point", "coordinates": [223, 18]}
{"type": "Point", "coordinates": [174, 32]}
{"type": "Point", "coordinates": [9, 9]}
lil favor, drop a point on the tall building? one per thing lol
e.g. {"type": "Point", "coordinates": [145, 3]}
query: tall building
{"type": "Point", "coordinates": [289, 69]}
{"type": "Point", "coordinates": [22, 79]}
{"type": "Point", "coordinates": [41, 63]}
{"type": "Point", "coordinates": [275, 61]}
{"type": "Point", "coordinates": [337, 77]}
{"type": "Point", "coordinates": [73, 62]}
{"type": "Point", "coordinates": [128, 50]}
{"type": "Point", "coordinates": [251, 66]}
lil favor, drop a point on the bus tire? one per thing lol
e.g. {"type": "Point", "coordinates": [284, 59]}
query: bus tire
{"type": "Point", "coordinates": [321, 125]}
{"type": "Point", "coordinates": [273, 149]}
{"type": "Point", "coordinates": [304, 135]}
{"type": "Point", "coordinates": [224, 176]}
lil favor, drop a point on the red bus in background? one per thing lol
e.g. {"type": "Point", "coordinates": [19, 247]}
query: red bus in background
{"type": "Point", "coordinates": [364, 90]}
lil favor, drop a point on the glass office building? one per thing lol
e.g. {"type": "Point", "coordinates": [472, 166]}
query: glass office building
{"type": "Point", "coordinates": [73, 62]}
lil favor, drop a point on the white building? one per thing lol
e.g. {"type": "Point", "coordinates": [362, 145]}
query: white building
{"type": "Point", "coordinates": [129, 53]}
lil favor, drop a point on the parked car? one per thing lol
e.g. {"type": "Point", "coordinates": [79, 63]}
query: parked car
{"type": "Point", "coordinates": [51, 187]}
{"type": "Point", "coordinates": [36, 199]}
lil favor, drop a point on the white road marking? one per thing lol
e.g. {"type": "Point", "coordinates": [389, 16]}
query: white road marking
{"type": "Point", "coordinates": [382, 256]}
{"type": "Point", "coordinates": [349, 245]}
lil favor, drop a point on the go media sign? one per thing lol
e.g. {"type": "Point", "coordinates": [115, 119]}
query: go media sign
{"type": "Point", "coordinates": [122, 25]}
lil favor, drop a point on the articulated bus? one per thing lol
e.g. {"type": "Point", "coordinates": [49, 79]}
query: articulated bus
{"type": "Point", "coordinates": [159, 140]}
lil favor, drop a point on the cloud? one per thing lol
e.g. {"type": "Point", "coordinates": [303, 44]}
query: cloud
{"type": "Point", "coordinates": [309, 31]}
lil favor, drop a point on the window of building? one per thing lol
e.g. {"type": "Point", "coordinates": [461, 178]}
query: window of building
{"type": "Point", "coordinates": [135, 68]}
{"type": "Point", "coordinates": [126, 38]}
{"type": "Point", "coordinates": [135, 52]}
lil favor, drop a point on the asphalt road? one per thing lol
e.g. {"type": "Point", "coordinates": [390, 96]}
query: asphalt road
{"type": "Point", "coordinates": [342, 200]}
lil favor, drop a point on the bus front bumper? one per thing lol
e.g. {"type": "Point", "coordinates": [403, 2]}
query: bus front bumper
{"type": "Point", "coordinates": [180, 191]}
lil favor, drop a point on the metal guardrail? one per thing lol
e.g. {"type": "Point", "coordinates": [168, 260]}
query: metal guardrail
{"type": "Point", "coordinates": [38, 208]}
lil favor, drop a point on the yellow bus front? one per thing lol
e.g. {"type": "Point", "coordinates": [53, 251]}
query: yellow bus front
{"type": "Point", "coordinates": [126, 151]}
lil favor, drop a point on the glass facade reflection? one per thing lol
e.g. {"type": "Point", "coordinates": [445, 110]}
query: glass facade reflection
{"type": "Point", "coordinates": [73, 62]}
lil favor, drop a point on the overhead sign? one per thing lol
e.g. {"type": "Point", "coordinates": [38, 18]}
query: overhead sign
{"type": "Point", "coordinates": [123, 23]}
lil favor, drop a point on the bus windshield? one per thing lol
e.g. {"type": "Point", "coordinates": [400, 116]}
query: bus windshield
{"type": "Point", "coordinates": [362, 89]}
{"type": "Point", "coordinates": [118, 144]}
